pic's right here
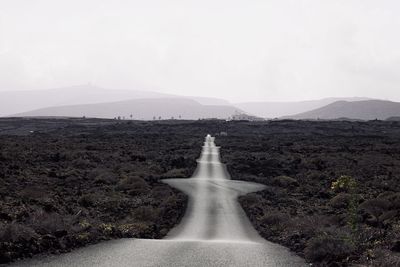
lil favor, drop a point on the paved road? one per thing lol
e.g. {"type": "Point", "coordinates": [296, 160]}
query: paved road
{"type": "Point", "coordinates": [214, 231]}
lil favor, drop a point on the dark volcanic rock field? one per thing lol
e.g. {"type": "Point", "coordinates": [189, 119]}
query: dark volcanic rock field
{"type": "Point", "coordinates": [355, 220]}
{"type": "Point", "coordinates": [332, 186]}
{"type": "Point", "coordinates": [76, 182]}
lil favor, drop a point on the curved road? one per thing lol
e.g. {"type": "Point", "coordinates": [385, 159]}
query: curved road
{"type": "Point", "coordinates": [214, 231]}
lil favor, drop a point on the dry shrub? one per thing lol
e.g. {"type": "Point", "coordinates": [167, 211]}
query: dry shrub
{"type": "Point", "coordinates": [376, 208]}
{"type": "Point", "coordinates": [161, 192]}
{"type": "Point", "coordinates": [250, 200]}
{"type": "Point", "coordinates": [274, 218]}
{"type": "Point", "coordinates": [175, 173]}
{"type": "Point", "coordinates": [307, 226]}
{"type": "Point", "coordinates": [394, 200]}
{"type": "Point", "coordinates": [285, 181]}
{"type": "Point", "coordinates": [146, 213]}
{"type": "Point", "coordinates": [32, 193]}
{"type": "Point", "coordinates": [87, 200]}
{"type": "Point", "coordinates": [385, 258]}
{"type": "Point", "coordinates": [15, 232]}
{"type": "Point", "coordinates": [137, 230]}
{"type": "Point", "coordinates": [170, 200]}
{"type": "Point", "coordinates": [82, 163]}
{"type": "Point", "coordinates": [132, 183]}
{"type": "Point", "coordinates": [47, 223]}
{"type": "Point", "coordinates": [340, 201]}
{"type": "Point", "coordinates": [102, 176]}
{"type": "Point", "coordinates": [327, 249]}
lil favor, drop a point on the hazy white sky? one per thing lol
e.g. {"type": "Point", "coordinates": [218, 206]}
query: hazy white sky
{"type": "Point", "coordinates": [238, 50]}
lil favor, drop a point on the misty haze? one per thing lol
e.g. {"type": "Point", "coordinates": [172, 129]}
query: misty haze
{"type": "Point", "coordinates": [200, 133]}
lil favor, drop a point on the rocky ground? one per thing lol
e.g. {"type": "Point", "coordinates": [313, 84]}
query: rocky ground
{"type": "Point", "coordinates": [333, 192]}
{"type": "Point", "coordinates": [69, 183]}
{"type": "Point", "coordinates": [332, 187]}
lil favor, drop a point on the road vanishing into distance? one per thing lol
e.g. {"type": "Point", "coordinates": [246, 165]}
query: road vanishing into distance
{"type": "Point", "coordinates": [214, 231]}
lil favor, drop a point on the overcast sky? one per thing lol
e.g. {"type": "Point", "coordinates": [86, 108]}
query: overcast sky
{"type": "Point", "coordinates": [238, 50]}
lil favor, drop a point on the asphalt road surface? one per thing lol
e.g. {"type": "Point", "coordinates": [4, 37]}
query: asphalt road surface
{"type": "Point", "coordinates": [214, 231]}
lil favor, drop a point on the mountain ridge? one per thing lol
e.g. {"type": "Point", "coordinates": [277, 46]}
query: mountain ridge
{"type": "Point", "coordinates": [62, 100]}
{"type": "Point", "coordinates": [278, 109]}
{"type": "Point", "coordinates": [362, 110]}
{"type": "Point", "coordinates": [143, 109]}
{"type": "Point", "coordinates": [14, 102]}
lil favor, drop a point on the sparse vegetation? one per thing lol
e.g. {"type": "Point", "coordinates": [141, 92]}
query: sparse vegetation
{"type": "Point", "coordinates": [332, 187]}
{"type": "Point", "coordinates": [72, 182]}
{"type": "Point", "coordinates": [85, 181]}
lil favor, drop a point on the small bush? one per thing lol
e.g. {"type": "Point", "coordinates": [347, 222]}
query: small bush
{"type": "Point", "coordinates": [250, 200]}
{"type": "Point", "coordinates": [15, 232]}
{"type": "Point", "coordinates": [285, 181]}
{"type": "Point", "coordinates": [394, 200]}
{"type": "Point", "coordinates": [327, 249]}
{"type": "Point", "coordinates": [102, 176]}
{"type": "Point", "coordinates": [385, 258]}
{"type": "Point", "coordinates": [175, 173]}
{"type": "Point", "coordinates": [107, 228]}
{"type": "Point", "coordinates": [132, 183]}
{"type": "Point", "coordinates": [307, 225]}
{"type": "Point", "coordinates": [344, 183]}
{"type": "Point", "coordinates": [87, 200]}
{"type": "Point", "coordinates": [161, 192]}
{"type": "Point", "coordinates": [81, 163]}
{"type": "Point", "coordinates": [274, 219]}
{"type": "Point", "coordinates": [32, 193]}
{"type": "Point", "coordinates": [340, 201]}
{"type": "Point", "coordinates": [47, 223]}
{"type": "Point", "coordinates": [146, 213]}
{"type": "Point", "coordinates": [137, 230]}
{"type": "Point", "coordinates": [376, 208]}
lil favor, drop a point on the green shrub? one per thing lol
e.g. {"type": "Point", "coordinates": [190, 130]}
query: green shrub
{"type": "Point", "coordinates": [344, 183]}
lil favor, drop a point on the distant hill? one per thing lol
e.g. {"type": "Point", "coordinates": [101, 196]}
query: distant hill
{"type": "Point", "coordinates": [393, 118]}
{"type": "Point", "coordinates": [362, 110]}
{"type": "Point", "coordinates": [59, 100]}
{"type": "Point", "coordinates": [143, 109]}
{"type": "Point", "coordinates": [279, 109]}
{"type": "Point", "coordinates": [12, 102]}
{"type": "Point", "coordinates": [208, 100]}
